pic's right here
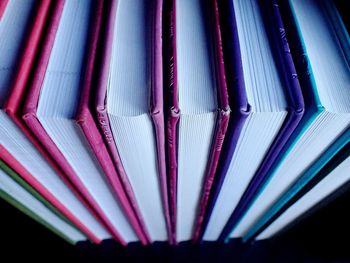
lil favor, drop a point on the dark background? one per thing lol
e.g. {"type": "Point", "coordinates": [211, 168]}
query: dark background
{"type": "Point", "coordinates": [320, 237]}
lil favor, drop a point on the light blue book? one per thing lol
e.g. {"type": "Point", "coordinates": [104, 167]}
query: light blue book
{"type": "Point", "coordinates": [320, 50]}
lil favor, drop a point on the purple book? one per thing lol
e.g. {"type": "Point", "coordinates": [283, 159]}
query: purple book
{"type": "Point", "coordinates": [240, 172]}
{"type": "Point", "coordinates": [129, 109]}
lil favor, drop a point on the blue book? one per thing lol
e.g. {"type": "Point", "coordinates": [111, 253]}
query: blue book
{"type": "Point", "coordinates": [318, 50]}
{"type": "Point", "coordinates": [266, 102]}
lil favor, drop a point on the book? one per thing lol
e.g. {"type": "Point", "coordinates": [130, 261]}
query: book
{"type": "Point", "coordinates": [174, 86]}
{"type": "Point", "coordinates": [265, 115]}
{"type": "Point", "coordinates": [223, 116]}
{"type": "Point", "coordinates": [49, 111]}
{"type": "Point", "coordinates": [324, 81]}
{"type": "Point", "coordinates": [100, 34]}
{"type": "Point", "coordinates": [18, 193]}
{"type": "Point", "coordinates": [171, 106]}
{"type": "Point", "coordinates": [307, 181]}
{"type": "Point", "coordinates": [332, 181]}
{"type": "Point", "coordinates": [197, 111]}
{"type": "Point", "coordinates": [129, 108]}
{"type": "Point", "coordinates": [19, 149]}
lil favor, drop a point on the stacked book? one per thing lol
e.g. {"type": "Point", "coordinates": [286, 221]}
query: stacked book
{"type": "Point", "coordinates": [172, 120]}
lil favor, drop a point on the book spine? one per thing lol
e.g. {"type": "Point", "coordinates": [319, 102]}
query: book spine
{"type": "Point", "coordinates": [280, 37]}
{"type": "Point", "coordinates": [171, 105]}
{"type": "Point", "coordinates": [35, 126]}
{"type": "Point", "coordinates": [100, 111]}
{"type": "Point", "coordinates": [171, 148]}
{"type": "Point", "coordinates": [157, 107]}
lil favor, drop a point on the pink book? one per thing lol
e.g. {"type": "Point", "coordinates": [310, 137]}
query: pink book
{"type": "Point", "coordinates": [137, 146]}
{"type": "Point", "coordinates": [45, 178]}
{"type": "Point", "coordinates": [197, 109]}
{"type": "Point", "coordinates": [221, 126]}
{"type": "Point", "coordinates": [114, 173]}
{"type": "Point", "coordinates": [49, 114]}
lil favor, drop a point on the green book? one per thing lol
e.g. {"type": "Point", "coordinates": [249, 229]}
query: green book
{"type": "Point", "coordinates": [18, 193]}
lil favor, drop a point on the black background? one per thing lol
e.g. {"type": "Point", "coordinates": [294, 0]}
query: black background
{"type": "Point", "coordinates": [321, 237]}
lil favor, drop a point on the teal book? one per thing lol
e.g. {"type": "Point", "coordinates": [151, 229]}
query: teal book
{"type": "Point", "coordinates": [21, 195]}
{"type": "Point", "coordinates": [318, 46]}
{"type": "Point", "coordinates": [336, 153]}
{"type": "Point", "coordinates": [330, 183]}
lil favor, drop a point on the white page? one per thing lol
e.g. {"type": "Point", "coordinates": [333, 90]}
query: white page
{"type": "Point", "coordinates": [128, 110]}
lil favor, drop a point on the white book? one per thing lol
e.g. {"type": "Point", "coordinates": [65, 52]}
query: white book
{"type": "Point", "coordinates": [198, 109]}
{"type": "Point", "coordinates": [128, 109]}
